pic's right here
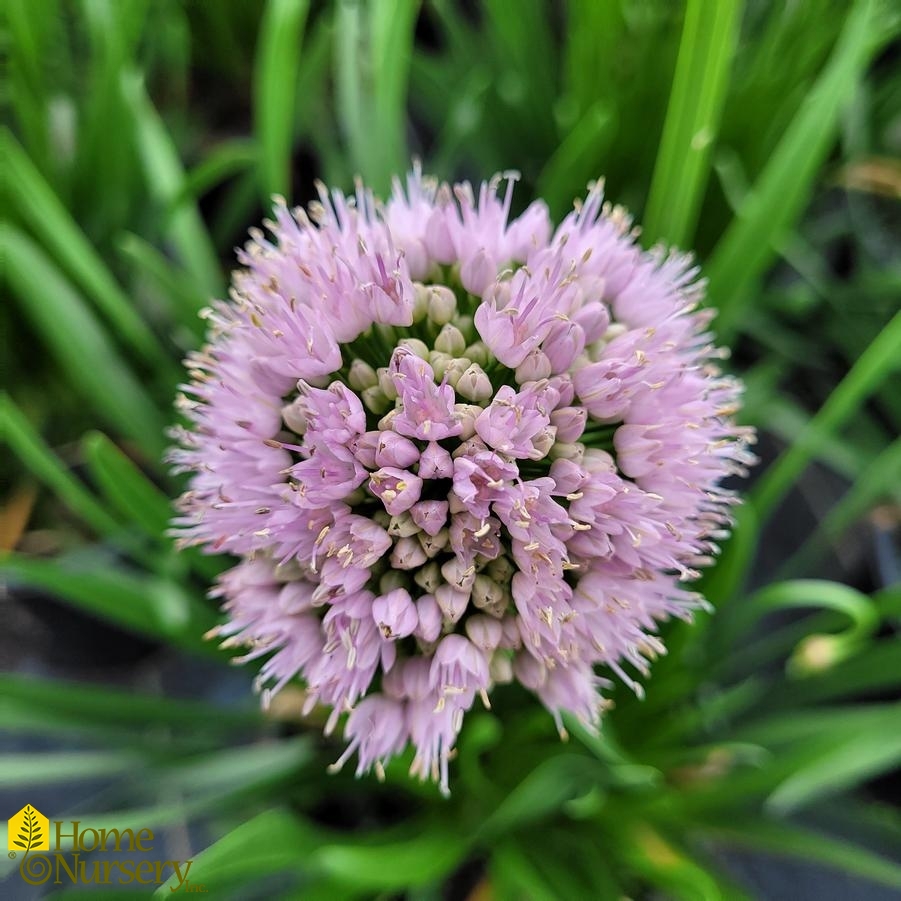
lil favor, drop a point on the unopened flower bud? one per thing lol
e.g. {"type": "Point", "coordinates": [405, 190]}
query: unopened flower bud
{"type": "Point", "coordinates": [392, 580]}
{"type": "Point", "coordinates": [361, 375]}
{"type": "Point", "coordinates": [452, 602]}
{"type": "Point", "coordinates": [500, 668]}
{"type": "Point", "coordinates": [467, 326]}
{"type": "Point", "coordinates": [529, 671]}
{"type": "Point", "coordinates": [450, 340]}
{"type": "Point", "coordinates": [395, 614]}
{"type": "Point", "coordinates": [534, 367]}
{"type": "Point", "coordinates": [374, 399]}
{"type": "Point", "coordinates": [430, 618]}
{"type": "Point", "coordinates": [474, 384]}
{"type": "Point", "coordinates": [386, 383]}
{"type": "Point", "coordinates": [395, 450]}
{"type": "Point", "coordinates": [563, 451]}
{"type": "Point", "coordinates": [570, 423]}
{"type": "Point", "coordinates": [402, 525]}
{"type": "Point", "coordinates": [455, 369]}
{"type": "Point", "coordinates": [501, 570]}
{"type": "Point", "coordinates": [543, 442]}
{"type": "Point", "coordinates": [435, 462]}
{"type": "Point", "coordinates": [478, 272]}
{"type": "Point", "coordinates": [484, 632]}
{"type": "Point", "coordinates": [478, 353]}
{"type": "Point", "coordinates": [420, 301]}
{"type": "Point", "coordinates": [439, 362]}
{"type": "Point", "coordinates": [415, 346]}
{"type": "Point", "coordinates": [458, 574]}
{"type": "Point", "coordinates": [434, 544]}
{"type": "Point", "coordinates": [363, 448]}
{"type": "Point", "coordinates": [442, 304]}
{"type": "Point", "coordinates": [294, 417]}
{"type": "Point", "coordinates": [428, 577]}
{"type": "Point", "coordinates": [512, 638]}
{"type": "Point", "coordinates": [430, 516]}
{"type": "Point", "coordinates": [467, 415]}
{"type": "Point", "coordinates": [488, 595]}
{"type": "Point", "coordinates": [408, 554]}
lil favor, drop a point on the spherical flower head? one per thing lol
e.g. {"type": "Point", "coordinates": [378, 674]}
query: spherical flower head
{"type": "Point", "coordinates": [450, 449]}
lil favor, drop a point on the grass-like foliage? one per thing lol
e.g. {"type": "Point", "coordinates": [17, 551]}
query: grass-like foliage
{"type": "Point", "coordinates": [147, 136]}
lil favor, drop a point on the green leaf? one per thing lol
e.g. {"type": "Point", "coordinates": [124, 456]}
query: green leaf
{"type": "Point", "coordinates": [795, 841]}
{"type": "Point", "coordinates": [779, 195]}
{"type": "Point", "coordinates": [151, 606]}
{"type": "Point", "coordinates": [165, 180]}
{"type": "Point", "coordinates": [709, 37]}
{"type": "Point", "coordinates": [373, 50]}
{"type": "Point", "coordinates": [37, 457]}
{"type": "Point", "coordinates": [125, 487]}
{"type": "Point", "coordinates": [578, 158]}
{"type": "Point", "coordinates": [180, 295]}
{"type": "Point", "coordinates": [424, 854]}
{"type": "Point", "coordinates": [58, 314]}
{"type": "Point", "coordinates": [863, 756]}
{"type": "Point", "coordinates": [50, 704]}
{"type": "Point", "coordinates": [736, 623]}
{"type": "Point", "coordinates": [270, 842]}
{"type": "Point", "coordinates": [668, 867]}
{"type": "Point", "coordinates": [275, 86]}
{"type": "Point", "coordinates": [543, 792]}
{"type": "Point", "coordinates": [39, 208]}
{"type": "Point", "coordinates": [880, 360]}
{"type": "Point", "coordinates": [224, 161]}
{"type": "Point", "coordinates": [30, 770]}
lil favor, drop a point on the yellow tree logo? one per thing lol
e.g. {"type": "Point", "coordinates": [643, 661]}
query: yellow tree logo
{"type": "Point", "coordinates": [28, 830]}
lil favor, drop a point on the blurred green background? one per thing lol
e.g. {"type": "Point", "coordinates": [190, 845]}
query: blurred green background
{"type": "Point", "coordinates": [145, 137]}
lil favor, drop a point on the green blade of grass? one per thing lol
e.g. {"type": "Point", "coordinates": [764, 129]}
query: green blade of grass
{"type": "Point", "coordinates": [37, 457]}
{"type": "Point", "coordinates": [578, 158]}
{"type": "Point", "coordinates": [271, 841]}
{"type": "Point", "coordinates": [880, 481]}
{"type": "Point", "coordinates": [392, 23]}
{"type": "Point", "coordinates": [875, 365]}
{"type": "Point", "coordinates": [226, 160]}
{"type": "Point", "coordinates": [861, 612]}
{"type": "Point", "coordinates": [864, 757]}
{"type": "Point", "coordinates": [181, 296]}
{"type": "Point", "coordinates": [349, 101]}
{"type": "Point", "coordinates": [68, 702]}
{"type": "Point", "coordinates": [778, 197]}
{"type": "Point", "coordinates": [155, 607]}
{"type": "Point", "coordinates": [784, 838]}
{"type": "Point", "coordinates": [165, 179]}
{"type": "Point", "coordinates": [275, 86]}
{"type": "Point", "coordinates": [706, 51]}
{"type": "Point", "coordinates": [38, 207]}
{"type": "Point", "coordinates": [372, 58]}
{"type": "Point", "coordinates": [30, 770]}
{"type": "Point", "coordinates": [125, 487]}
{"type": "Point", "coordinates": [60, 316]}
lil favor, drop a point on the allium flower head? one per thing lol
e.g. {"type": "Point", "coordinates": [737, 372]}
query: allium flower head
{"type": "Point", "coordinates": [453, 450]}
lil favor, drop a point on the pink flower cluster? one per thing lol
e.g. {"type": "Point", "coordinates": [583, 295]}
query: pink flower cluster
{"type": "Point", "coordinates": [454, 450]}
